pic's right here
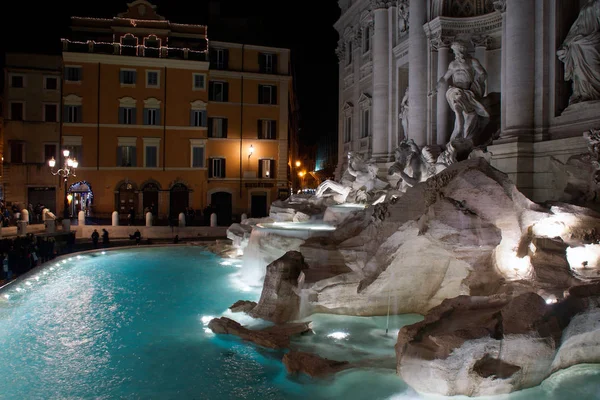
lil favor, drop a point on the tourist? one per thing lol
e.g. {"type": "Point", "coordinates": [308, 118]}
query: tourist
{"type": "Point", "coordinates": [176, 239]}
{"type": "Point", "coordinates": [70, 242]}
{"type": "Point", "coordinates": [95, 237]}
{"type": "Point", "coordinates": [138, 236]}
{"type": "Point", "coordinates": [104, 238]}
{"type": "Point", "coordinates": [7, 271]}
{"type": "Point", "coordinates": [131, 216]}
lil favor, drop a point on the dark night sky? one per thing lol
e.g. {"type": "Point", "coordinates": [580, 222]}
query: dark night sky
{"type": "Point", "coordinates": [305, 26]}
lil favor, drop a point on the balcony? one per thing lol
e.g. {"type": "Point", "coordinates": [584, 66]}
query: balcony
{"type": "Point", "coordinates": [133, 51]}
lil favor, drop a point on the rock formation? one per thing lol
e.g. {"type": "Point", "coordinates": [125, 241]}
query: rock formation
{"type": "Point", "coordinates": [479, 346]}
{"type": "Point", "coordinates": [311, 364]}
{"type": "Point", "coordinates": [242, 306]}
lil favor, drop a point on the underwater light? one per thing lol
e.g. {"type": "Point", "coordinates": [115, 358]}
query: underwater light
{"type": "Point", "coordinates": [338, 335]}
{"type": "Point", "coordinates": [20, 289]}
{"type": "Point", "coordinates": [7, 296]}
{"type": "Point", "coordinates": [28, 283]}
{"type": "Point", "coordinates": [226, 263]}
{"type": "Point", "coordinates": [103, 253]}
{"type": "Point", "coordinates": [79, 257]}
{"type": "Point", "coordinates": [206, 319]}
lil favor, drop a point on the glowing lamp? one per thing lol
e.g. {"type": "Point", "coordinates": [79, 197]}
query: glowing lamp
{"type": "Point", "coordinates": [75, 163]}
{"type": "Point", "coordinates": [70, 197]}
{"type": "Point", "coordinates": [69, 162]}
{"type": "Point", "coordinates": [52, 162]}
{"type": "Point", "coordinates": [251, 150]}
{"type": "Point", "coordinates": [298, 163]}
{"type": "Point", "coordinates": [66, 153]}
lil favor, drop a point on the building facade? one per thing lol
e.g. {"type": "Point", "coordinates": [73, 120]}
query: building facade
{"type": "Point", "coordinates": [31, 128]}
{"type": "Point", "coordinates": [160, 119]}
{"type": "Point", "coordinates": [392, 54]}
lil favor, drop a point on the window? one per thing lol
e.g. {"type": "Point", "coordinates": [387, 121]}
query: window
{"type": "Point", "coordinates": [348, 129]}
{"type": "Point", "coordinates": [218, 91]}
{"type": "Point", "coordinates": [127, 115]}
{"type": "Point", "coordinates": [151, 116]}
{"type": "Point", "coordinates": [73, 114]}
{"type": "Point", "coordinates": [129, 40]}
{"type": "Point", "coordinates": [50, 151]}
{"type": "Point", "coordinates": [50, 112]}
{"type": "Point", "coordinates": [219, 58]}
{"type": "Point", "coordinates": [126, 156]}
{"type": "Point", "coordinates": [365, 123]}
{"type": "Point", "coordinates": [17, 152]}
{"type": "Point", "coordinates": [152, 79]}
{"type": "Point", "coordinates": [17, 81]}
{"type": "Point", "coordinates": [73, 74]}
{"type": "Point", "coordinates": [198, 118]}
{"type": "Point", "coordinates": [267, 94]}
{"type": "Point", "coordinates": [197, 156]}
{"type": "Point", "coordinates": [199, 82]}
{"type": "Point", "coordinates": [17, 111]}
{"type": "Point", "coordinates": [266, 168]}
{"type": "Point", "coordinates": [127, 77]}
{"type": "Point", "coordinates": [267, 129]}
{"type": "Point", "coordinates": [50, 83]}
{"type": "Point", "coordinates": [366, 39]}
{"type": "Point", "coordinates": [267, 63]}
{"type": "Point", "coordinates": [151, 157]}
{"type": "Point", "coordinates": [216, 168]}
{"type": "Point", "coordinates": [349, 52]}
{"type": "Point", "coordinates": [217, 127]}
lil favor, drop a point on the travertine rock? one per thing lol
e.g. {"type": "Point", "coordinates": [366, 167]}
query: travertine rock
{"type": "Point", "coordinates": [311, 364]}
{"type": "Point", "coordinates": [242, 306]}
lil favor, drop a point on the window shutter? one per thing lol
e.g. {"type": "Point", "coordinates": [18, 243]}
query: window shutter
{"type": "Point", "coordinates": [210, 168]}
{"type": "Point", "coordinates": [121, 115]}
{"type": "Point", "coordinates": [210, 127]}
{"type": "Point", "coordinates": [79, 74]}
{"type": "Point", "coordinates": [192, 119]}
{"type": "Point", "coordinates": [273, 129]}
{"type": "Point", "coordinates": [65, 116]}
{"type": "Point", "coordinates": [133, 156]}
{"type": "Point", "coordinates": [119, 155]}
{"type": "Point", "coordinates": [272, 168]}
{"type": "Point", "coordinates": [224, 135]}
{"type": "Point", "coordinates": [275, 64]}
{"type": "Point", "coordinates": [133, 110]}
{"type": "Point", "coordinates": [259, 129]}
{"type": "Point", "coordinates": [225, 91]}
{"type": "Point", "coordinates": [273, 94]}
{"type": "Point", "coordinates": [157, 116]}
{"type": "Point", "coordinates": [261, 62]}
{"type": "Point", "coordinates": [213, 59]}
{"type": "Point", "coordinates": [260, 168]}
{"type": "Point", "coordinates": [260, 94]}
{"type": "Point", "coordinates": [211, 90]}
{"type": "Point", "coordinates": [78, 114]}
{"type": "Point", "coordinates": [146, 116]}
{"type": "Point", "coordinates": [223, 169]}
{"type": "Point", "coordinates": [134, 77]}
{"type": "Point", "coordinates": [202, 118]}
{"type": "Point", "coordinates": [121, 76]}
{"type": "Point", "coordinates": [225, 58]}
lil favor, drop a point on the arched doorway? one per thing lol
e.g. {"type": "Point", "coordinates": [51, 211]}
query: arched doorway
{"type": "Point", "coordinates": [82, 198]}
{"type": "Point", "coordinates": [222, 202]}
{"type": "Point", "coordinates": [150, 192]}
{"type": "Point", "coordinates": [258, 204]}
{"type": "Point", "coordinates": [180, 199]}
{"type": "Point", "coordinates": [126, 197]}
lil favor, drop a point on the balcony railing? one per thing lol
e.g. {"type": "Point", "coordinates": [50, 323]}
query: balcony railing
{"type": "Point", "coordinates": [134, 51]}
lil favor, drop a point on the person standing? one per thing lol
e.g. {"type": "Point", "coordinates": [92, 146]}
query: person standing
{"type": "Point", "coordinates": [105, 239]}
{"type": "Point", "coordinates": [95, 237]}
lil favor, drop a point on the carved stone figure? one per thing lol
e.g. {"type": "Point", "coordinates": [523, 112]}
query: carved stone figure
{"type": "Point", "coordinates": [466, 79]}
{"type": "Point", "coordinates": [403, 14]}
{"type": "Point", "coordinates": [580, 52]}
{"type": "Point", "coordinates": [358, 183]}
{"type": "Point", "coordinates": [413, 164]}
{"type": "Point", "coordinates": [403, 115]}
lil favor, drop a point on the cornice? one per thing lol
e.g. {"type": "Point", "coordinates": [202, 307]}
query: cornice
{"type": "Point", "coordinates": [72, 57]}
{"type": "Point", "coordinates": [479, 28]}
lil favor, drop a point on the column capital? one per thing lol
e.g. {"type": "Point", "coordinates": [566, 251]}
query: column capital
{"type": "Point", "coordinates": [481, 40]}
{"type": "Point", "coordinates": [438, 41]}
{"type": "Point", "coordinates": [500, 5]}
{"type": "Point", "coordinates": [381, 4]}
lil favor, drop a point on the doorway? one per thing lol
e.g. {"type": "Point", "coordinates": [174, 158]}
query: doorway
{"type": "Point", "coordinates": [126, 198]}
{"type": "Point", "coordinates": [180, 199]}
{"type": "Point", "coordinates": [82, 198]}
{"type": "Point", "coordinates": [258, 205]}
{"type": "Point", "coordinates": [150, 198]}
{"type": "Point", "coordinates": [222, 201]}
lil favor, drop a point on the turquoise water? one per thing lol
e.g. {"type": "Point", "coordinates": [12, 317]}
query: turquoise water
{"type": "Point", "coordinates": [132, 324]}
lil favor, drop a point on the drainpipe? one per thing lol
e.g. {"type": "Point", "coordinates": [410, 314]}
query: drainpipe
{"type": "Point", "coordinates": [98, 125]}
{"type": "Point", "coordinates": [165, 122]}
{"type": "Point", "coordinates": [242, 123]}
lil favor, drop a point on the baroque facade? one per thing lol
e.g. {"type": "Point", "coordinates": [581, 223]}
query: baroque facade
{"type": "Point", "coordinates": [394, 54]}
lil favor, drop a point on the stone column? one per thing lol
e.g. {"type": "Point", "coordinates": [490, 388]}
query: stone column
{"type": "Point", "coordinates": [443, 110]}
{"type": "Point", "coordinates": [519, 88]}
{"type": "Point", "coordinates": [481, 44]}
{"type": "Point", "coordinates": [417, 73]}
{"type": "Point", "coordinates": [381, 55]}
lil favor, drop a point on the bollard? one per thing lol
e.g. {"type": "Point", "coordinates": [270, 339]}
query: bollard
{"type": "Point", "coordinates": [115, 218]}
{"type": "Point", "coordinates": [213, 220]}
{"type": "Point", "coordinates": [25, 215]}
{"type": "Point", "coordinates": [81, 218]}
{"type": "Point", "coordinates": [148, 219]}
{"type": "Point", "coordinates": [66, 225]}
{"type": "Point", "coordinates": [244, 217]}
{"type": "Point", "coordinates": [181, 220]}
{"type": "Point", "coordinates": [50, 225]}
{"type": "Point", "coordinates": [22, 228]}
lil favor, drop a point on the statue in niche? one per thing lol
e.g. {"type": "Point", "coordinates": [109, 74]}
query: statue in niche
{"type": "Point", "coordinates": [466, 79]}
{"type": "Point", "coordinates": [403, 14]}
{"type": "Point", "coordinates": [580, 52]}
{"type": "Point", "coordinates": [403, 115]}
{"type": "Point", "coordinates": [358, 184]}
{"type": "Point", "coordinates": [414, 165]}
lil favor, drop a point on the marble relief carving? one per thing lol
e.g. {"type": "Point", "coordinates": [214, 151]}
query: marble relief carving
{"type": "Point", "coordinates": [403, 14]}
{"type": "Point", "coordinates": [580, 52]}
{"type": "Point", "coordinates": [500, 5]}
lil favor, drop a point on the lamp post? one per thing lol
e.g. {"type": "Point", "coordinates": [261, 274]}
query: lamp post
{"type": "Point", "coordinates": [297, 164]}
{"type": "Point", "coordinates": [68, 169]}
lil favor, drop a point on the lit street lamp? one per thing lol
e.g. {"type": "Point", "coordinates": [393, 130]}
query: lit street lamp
{"type": "Point", "coordinates": [68, 169]}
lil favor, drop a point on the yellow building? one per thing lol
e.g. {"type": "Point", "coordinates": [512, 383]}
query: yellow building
{"type": "Point", "coordinates": [159, 118]}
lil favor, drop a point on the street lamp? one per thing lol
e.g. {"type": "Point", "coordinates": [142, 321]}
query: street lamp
{"type": "Point", "coordinates": [68, 169]}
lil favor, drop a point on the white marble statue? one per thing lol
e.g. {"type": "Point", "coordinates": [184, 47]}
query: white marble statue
{"type": "Point", "coordinates": [359, 181]}
{"type": "Point", "coordinates": [580, 52]}
{"type": "Point", "coordinates": [403, 14]}
{"type": "Point", "coordinates": [403, 115]}
{"type": "Point", "coordinates": [414, 165]}
{"type": "Point", "coordinates": [466, 79]}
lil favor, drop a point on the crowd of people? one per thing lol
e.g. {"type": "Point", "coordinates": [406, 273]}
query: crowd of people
{"type": "Point", "coordinates": [9, 215]}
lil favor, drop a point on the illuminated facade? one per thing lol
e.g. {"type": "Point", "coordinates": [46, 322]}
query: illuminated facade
{"type": "Point", "coordinates": [158, 118]}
